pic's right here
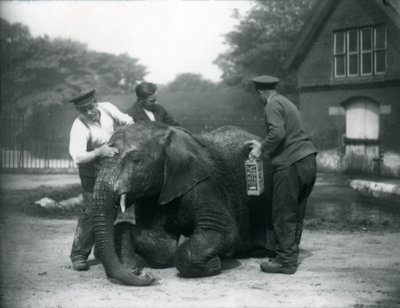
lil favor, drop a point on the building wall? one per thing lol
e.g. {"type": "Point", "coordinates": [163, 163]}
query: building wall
{"type": "Point", "coordinates": [326, 129]}
{"type": "Point", "coordinates": [316, 68]}
{"type": "Point", "coordinates": [321, 95]}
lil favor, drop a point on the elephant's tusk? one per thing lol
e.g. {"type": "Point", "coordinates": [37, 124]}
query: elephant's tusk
{"type": "Point", "coordinates": [122, 203]}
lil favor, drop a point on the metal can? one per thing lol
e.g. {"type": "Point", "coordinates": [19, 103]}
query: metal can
{"type": "Point", "coordinates": [254, 177]}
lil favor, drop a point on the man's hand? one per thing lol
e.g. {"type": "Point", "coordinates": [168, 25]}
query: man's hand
{"type": "Point", "coordinates": [106, 151]}
{"type": "Point", "coordinates": [256, 149]}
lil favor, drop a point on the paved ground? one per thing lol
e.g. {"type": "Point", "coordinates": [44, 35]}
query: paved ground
{"type": "Point", "coordinates": [338, 269]}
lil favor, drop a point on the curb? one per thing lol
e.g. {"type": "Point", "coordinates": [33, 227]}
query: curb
{"type": "Point", "coordinates": [376, 189]}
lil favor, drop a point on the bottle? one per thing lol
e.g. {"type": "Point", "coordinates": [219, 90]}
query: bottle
{"type": "Point", "coordinates": [254, 176]}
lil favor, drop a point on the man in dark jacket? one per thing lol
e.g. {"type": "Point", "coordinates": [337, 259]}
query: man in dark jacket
{"type": "Point", "coordinates": [293, 161]}
{"type": "Point", "coordinates": [146, 107]}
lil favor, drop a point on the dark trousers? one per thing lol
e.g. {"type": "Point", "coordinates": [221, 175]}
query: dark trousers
{"type": "Point", "coordinates": [84, 235]}
{"type": "Point", "coordinates": [291, 188]}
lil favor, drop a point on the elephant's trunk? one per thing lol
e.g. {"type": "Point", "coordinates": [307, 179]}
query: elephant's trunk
{"type": "Point", "coordinates": [103, 222]}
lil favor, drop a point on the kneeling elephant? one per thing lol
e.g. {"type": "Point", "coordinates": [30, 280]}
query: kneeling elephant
{"type": "Point", "coordinates": [180, 184]}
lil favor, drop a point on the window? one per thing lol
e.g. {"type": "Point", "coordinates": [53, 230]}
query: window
{"type": "Point", "coordinates": [360, 52]}
{"type": "Point", "coordinates": [366, 51]}
{"type": "Point", "coordinates": [380, 50]}
{"type": "Point", "coordinates": [340, 55]}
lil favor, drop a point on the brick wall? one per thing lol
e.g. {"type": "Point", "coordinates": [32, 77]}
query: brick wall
{"type": "Point", "coordinates": [316, 68]}
{"type": "Point", "coordinates": [325, 129]}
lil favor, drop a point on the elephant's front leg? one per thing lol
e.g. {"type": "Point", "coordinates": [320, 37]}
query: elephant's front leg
{"type": "Point", "coordinates": [157, 247]}
{"type": "Point", "coordinates": [123, 235]}
{"type": "Point", "coordinates": [198, 256]}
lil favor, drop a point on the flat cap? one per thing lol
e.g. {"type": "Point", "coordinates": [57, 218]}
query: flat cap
{"type": "Point", "coordinates": [83, 98]}
{"type": "Point", "coordinates": [265, 82]}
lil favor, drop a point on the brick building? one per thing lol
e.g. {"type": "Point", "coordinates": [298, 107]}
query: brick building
{"type": "Point", "coordinates": [347, 60]}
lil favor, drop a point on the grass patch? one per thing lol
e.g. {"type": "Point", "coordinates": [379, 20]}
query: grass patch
{"type": "Point", "coordinates": [23, 201]}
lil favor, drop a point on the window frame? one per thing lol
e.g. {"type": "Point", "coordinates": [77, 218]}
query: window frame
{"type": "Point", "coordinates": [360, 53]}
{"type": "Point", "coordinates": [364, 52]}
{"type": "Point", "coordinates": [376, 50]}
{"type": "Point", "coordinates": [353, 53]}
{"type": "Point", "coordinates": [339, 54]}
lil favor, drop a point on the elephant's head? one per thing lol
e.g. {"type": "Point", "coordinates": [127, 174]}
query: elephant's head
{"type": "Point", "coordinates": [155, 164]}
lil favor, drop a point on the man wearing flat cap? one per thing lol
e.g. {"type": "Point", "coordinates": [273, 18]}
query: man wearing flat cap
{"type": "Point", "coordinates": [292, 156]}
{"type": "Point", "coordinates": [89, 136]}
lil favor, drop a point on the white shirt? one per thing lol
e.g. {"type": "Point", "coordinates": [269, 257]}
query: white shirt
{"type": "Point", "coordinates": [150, 115]}
{"type": "Point", "coordinates": [99, 133]}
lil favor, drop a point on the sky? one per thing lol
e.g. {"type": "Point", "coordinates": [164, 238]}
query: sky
{"type": "Point", "coordinates": [169, 37]}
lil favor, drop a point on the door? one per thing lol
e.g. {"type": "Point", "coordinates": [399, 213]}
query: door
{"type": "Point", "coordinates": [362, 135]}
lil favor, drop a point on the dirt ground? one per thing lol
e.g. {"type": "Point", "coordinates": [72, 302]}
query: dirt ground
{"type": "Point", "coordinates": [337, 268]}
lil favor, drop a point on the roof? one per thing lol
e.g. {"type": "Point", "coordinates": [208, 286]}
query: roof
{"type": "Point", "coordinates": [319, 15]}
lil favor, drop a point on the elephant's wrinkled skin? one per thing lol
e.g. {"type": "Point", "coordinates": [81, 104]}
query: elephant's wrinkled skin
{"type": "Point", "coordinates": [179, 185]}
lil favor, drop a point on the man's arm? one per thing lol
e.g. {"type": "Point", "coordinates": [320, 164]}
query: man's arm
{"type": "Point", "coordinates": [120, 117]}
{"type": "Point", "coordinates": [89, 156]}
{"type": "Point", "coordinates": [79, 137]}
{"type": "Point", "coordinates": [275, 121]}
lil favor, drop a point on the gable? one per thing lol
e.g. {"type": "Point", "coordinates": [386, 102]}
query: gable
{"type": "Point", "coordinates": [355, 13]}
{"type": "Point", "coordinates": [316, 66]}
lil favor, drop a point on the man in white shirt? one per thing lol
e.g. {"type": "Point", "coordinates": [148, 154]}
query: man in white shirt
{"type": "Point", "coordinates": [89, 136]}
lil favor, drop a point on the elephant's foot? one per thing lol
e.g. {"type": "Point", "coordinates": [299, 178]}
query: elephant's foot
{"type": "Point", "coordinates": [197, 257]}
{"type": "Point", "coordinates": [210, 268]}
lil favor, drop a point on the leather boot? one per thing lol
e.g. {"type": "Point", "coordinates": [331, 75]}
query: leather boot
{"type": "Point", "coordinates": [80, 265]}
{"type": "Point", "coordinates": [272, 266]}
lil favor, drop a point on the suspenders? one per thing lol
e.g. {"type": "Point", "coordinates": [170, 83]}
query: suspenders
{"type": "Point", "coordinates": [89, 146]}
{"type": "Point", "coordinates": [87, 172]}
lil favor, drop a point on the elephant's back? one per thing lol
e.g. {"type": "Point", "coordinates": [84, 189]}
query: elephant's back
{"type": "Point", "coordinates": [230, 136]}
{"type": "Point", "coordinates": [228, 151]}
{"type": "Point", "coordinates": [227, 147]}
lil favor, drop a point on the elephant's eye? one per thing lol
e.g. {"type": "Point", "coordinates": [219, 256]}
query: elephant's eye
{"type": "Point", "coordinates": [133, 156]}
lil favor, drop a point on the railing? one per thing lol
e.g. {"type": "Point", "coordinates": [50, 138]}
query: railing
{"type": "Point", "coordinates": [20, 152]}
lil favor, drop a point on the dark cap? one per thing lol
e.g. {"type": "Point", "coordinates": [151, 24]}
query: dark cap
{"type": "Point", "coordinates": [83, 98]}
{"type": "Point", "coordinates": [265, 82]}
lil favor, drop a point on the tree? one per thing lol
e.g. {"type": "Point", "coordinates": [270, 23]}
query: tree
{"type": "Point", "coordinates": [262, 40]}
{"type": "Point", "coordinates": [190, 82]}
{"type": "Point", "coordinates": [44, 71]}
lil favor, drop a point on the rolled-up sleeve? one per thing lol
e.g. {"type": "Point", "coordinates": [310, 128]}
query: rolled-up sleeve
{"type": "Point", "coordinates": [78, 139]}
{"type": "Point", "coordinates": [120, 117]}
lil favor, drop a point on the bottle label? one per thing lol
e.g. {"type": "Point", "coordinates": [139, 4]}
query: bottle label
{"type": "Point", "coordinates": [254, 177]}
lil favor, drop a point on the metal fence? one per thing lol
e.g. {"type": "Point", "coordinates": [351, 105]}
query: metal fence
{"type": "Point", "coordinates": [19, 152]}
{"type": "Point", "coordinates": [23, 151]}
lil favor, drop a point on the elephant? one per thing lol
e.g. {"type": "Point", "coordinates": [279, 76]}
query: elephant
{"type": "Point", "coordinates": [179, 184]}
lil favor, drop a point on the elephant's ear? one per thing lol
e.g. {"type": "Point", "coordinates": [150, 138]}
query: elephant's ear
{"type": "Point", "coordinates": [186, 163]}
